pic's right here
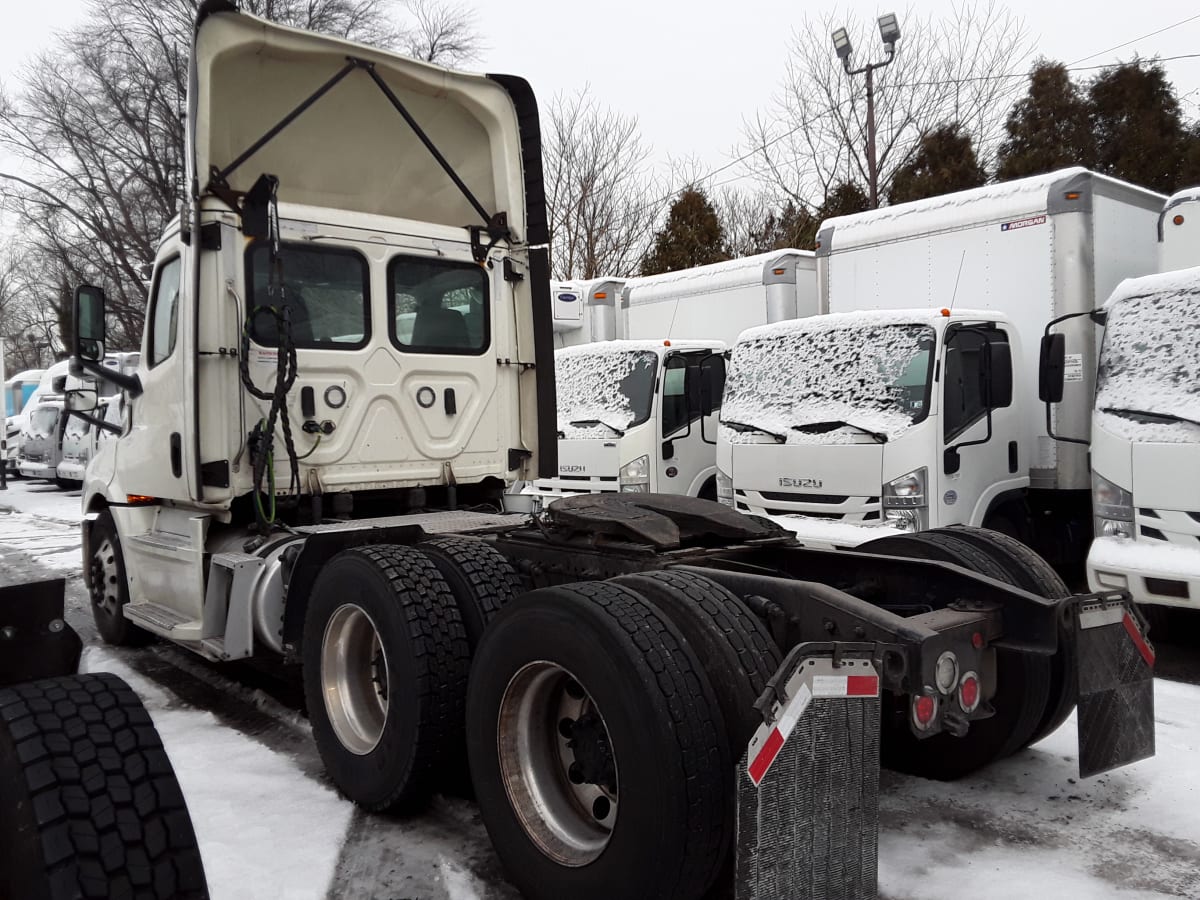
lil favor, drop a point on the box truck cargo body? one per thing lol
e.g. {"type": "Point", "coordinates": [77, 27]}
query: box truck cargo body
{"type": "Point", "coordinates": [1019, 255]}
{"type": "Point", "coordinates": [639, 413]}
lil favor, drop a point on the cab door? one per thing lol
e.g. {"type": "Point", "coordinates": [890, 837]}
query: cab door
{"type": "Point", "coordinates": [154, 452]}
{"type": "Point", "coordinates": [980, 432]}
{"type": "Point", "coordinates": [689, 404]}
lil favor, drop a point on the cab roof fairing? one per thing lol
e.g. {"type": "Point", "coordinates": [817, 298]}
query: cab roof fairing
{"type": "Point", "coordinates": [247, 74]}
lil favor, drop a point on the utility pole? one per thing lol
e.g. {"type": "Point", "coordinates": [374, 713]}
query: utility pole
{"type": "Point", "coordinates": [4, 396]}
{"type": "Point", "coordinates": [889, 30]}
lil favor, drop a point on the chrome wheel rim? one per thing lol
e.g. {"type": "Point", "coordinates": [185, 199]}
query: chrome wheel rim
{"type": "Point", "coordinates": [557, 763]}
{"type": "Point", "coordinates": [105, 589]}
{"type": "Point", "coordinates": [354, 679]}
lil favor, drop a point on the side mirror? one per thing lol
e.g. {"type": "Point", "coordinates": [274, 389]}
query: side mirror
{"type": "Point", "coordinates": [1000, 375]}
{"type": "Point", "coordinates": [89, 322]}
{"type": "Point", "coordinates": [1051, 366]}
{"type": "Point", "coordinates": [81, 400]}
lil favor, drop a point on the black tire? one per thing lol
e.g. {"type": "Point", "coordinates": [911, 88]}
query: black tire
{"type": "Point", "coordinates": [392, 760]}
{"type": "Point", "coordinates": [734, 647]}
{"type": "Point", "coordinates": [1022, 689]}
{"type": "Point", "coordinates": [1026, 569]}
{"type": "Point", "coordinates": [108, 587]}
{"type": "Point", "coordinates": [91, 805]}
{"type": "Point", "coordinates": [480, 578]}
{"type": "Point", "coordinates": [658, 714]}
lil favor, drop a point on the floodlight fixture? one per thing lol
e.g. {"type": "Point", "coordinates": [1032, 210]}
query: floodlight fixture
{"type": "Point", "coordinates": [841, 43]}
{"type": "Point", "coordinates": [889, 29]}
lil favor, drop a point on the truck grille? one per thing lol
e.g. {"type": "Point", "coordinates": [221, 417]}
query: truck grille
{"type": "Point", "coordinates": [1181, 528]}
{"type": "Point", "coordinates": [834, 507]}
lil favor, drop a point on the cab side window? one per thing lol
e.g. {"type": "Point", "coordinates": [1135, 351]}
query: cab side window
{"type": "Point", "coordinates": [164, 312]}
{"type": "Point", "coordinates": [965, 350]}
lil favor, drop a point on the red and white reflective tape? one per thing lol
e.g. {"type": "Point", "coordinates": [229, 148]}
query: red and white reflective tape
{"type": "Point", "coordinates": [1099, 616]}
{"type": "Point", "coordinates": [769, 740]}
{"type": "Point", "coordinates": [1139, 641]}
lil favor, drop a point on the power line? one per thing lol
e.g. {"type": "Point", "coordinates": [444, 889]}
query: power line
{"type": "Point", "coordinates": [1135, 40]}
{"type": "Point", "coordinates": [1071, 68]}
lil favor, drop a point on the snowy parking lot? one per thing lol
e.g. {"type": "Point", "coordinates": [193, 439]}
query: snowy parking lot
{"type": "Point", "coordinates": [271, 826]}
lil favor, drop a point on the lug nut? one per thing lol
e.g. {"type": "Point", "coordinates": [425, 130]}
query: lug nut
{"type": "Point", "coordinates": [601, 808]}
{"type": "Point", "coordinates": [566, 727]}
{"type": "Point", "coordinates": [575, 773]}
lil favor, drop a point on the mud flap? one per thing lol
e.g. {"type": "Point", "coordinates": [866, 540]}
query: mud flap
{"type": "Point", "coordinates": [1116, 685]}
{"type": "Point", "coordinates": [35, 640]}
{"type": "Point", "coordinates": [808, 785]}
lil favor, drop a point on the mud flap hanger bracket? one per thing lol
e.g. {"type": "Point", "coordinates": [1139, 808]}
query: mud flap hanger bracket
{"type": "Point", "coordinates": [495, 224]}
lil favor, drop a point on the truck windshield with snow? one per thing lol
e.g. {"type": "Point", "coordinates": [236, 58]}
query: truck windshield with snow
{"type": "Point", "coordinates": [347, 358]}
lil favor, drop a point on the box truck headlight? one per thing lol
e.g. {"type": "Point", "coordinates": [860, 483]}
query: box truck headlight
{"type": "Point", "coordinates": [635, 475]}
{"type": "Point", "coordinates": [1113, 507]}
{"type": "Point", "coordinates": [724, 488]}
{"type": "Point", "coordinates": [904, 501]}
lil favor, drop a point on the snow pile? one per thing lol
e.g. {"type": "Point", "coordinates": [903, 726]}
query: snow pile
{"type": "Point", "coordinates": [813, 531]}
{"type": "Point", "coordinates": [866, 370]}
{"type": "Point", "coordinates": [1150, 360]}
{"type": "Point", "coordinates": [611, 382]}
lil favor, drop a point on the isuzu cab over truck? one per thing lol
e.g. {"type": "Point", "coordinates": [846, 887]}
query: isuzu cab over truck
{"type": "Point", "coordinates": [915, 406]}
{"type": "Point", "coordinates": [638, 413]}
{"type": "Point", "coordinates": [348, 356]}
{"type": "Point", "coordinates": [1145, 434]}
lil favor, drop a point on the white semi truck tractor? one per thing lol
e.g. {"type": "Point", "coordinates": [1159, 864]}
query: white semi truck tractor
{"type": "Point", "coordinates": [913, 405]}
{"type": "Point", "coordinates": [348, 356]}
{"type": "Point", "coordinates": [637, 406]}
{"type": "Point", "coordinates": [1145, 431]}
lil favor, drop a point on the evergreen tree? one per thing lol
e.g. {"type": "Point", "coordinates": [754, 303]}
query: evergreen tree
{"type": "Point", "coordinates": [844, 199]}
{"type": "Point", "coordinates": [945, 162]}
{"type": "Point", "coordinates": [1048, 128]}
{"type": "Point", "coordinates": [1139, 133]}
{"type": "Point", "coordinates": [793, 226]}
{"type": "Point", "coordinates": [692, 236]}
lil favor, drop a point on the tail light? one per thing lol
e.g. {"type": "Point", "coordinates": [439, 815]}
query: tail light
{"type": "Point", "coordinates": [924, 711]}
{"type": "Point", "coordinates": [968, 692]}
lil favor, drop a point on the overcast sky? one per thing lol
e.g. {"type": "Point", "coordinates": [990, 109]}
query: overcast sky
{"type": "Point", "coordinates": [691, 76]}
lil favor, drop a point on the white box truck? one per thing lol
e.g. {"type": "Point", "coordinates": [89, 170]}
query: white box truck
{"type": "Point", "coordinates": [916, 405]}
{"type": "Point", "coordinates": [638, 413]}
{"type": "Point", "coordinates": [1145, 434]}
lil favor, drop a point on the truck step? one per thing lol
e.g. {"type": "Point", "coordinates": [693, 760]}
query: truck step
{"type": "Point", "coordinates": [214, 647]}
{"type": "Point", "coordinates": [163, 620]}
{"type": "Point", "coordinates": [457, 522]}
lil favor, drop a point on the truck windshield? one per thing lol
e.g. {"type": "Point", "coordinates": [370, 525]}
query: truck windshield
{"type": "Point", "coordinates": [75, 427]}
{"type": "Point", "coordinates": [821, 381]}
{"type": "Point", "coordinates": [603, 388]}
{"type": "Point", "coordinates": [1149, 371]}
{"type": "Point", "coordinates": [43, 420]}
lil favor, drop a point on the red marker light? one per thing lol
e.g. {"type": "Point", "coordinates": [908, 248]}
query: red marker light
{"type": "Point", "coordinates": [924, 708]}
{"type": "Point", "coordinates": [977, 641]}
{"type": "Point", "coordinates": [968, 692]}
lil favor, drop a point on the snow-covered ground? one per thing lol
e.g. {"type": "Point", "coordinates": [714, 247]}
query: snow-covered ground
{"type": "Point", "coordinates": [271, 827]}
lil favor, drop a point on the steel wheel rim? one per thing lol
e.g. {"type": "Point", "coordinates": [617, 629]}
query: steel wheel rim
{"type": "Point", "coordinates": [569, 821]}
{"type": "Point", "coordinates": [104, 574]}
{"type": "Point", "coordinates": [354, 679]}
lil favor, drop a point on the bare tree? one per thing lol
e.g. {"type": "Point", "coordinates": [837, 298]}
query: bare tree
{"type": "Point", "coordinates": [812, 136]}
{"type": "Point", "coordinates": [597, 188]}
{"type": "Point", "coordinates": [442, 34]}
{"type": "Point", "coordinates": [98, 137]}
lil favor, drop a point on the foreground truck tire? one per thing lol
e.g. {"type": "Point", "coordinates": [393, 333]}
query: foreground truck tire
{"type": "Point", "coordinates": [385, 673]}
{"type": "Point", "coordinates": [597, 748]}
{"type": "Point", "coordinates": [107, 587]}
{"type": "Point", "coordinates": [91, 806]}
{"type": "Point", "coordinates": [1020, 702]}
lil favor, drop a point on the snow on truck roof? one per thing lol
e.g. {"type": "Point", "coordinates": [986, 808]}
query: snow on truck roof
{"type": "Point", "coordinates": [1008, 200]}
{"type": "Point", "coordinates": [859, 318]}
{"type": "Point", "coordinates": [748, 270]}
{"type": "Point", "coordinates": [613, 348]}
{"type": "Point", "coordinates": [1180, 281]}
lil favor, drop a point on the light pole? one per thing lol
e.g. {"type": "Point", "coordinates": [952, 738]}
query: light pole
{"type": "Point", "coordinates": [4, 395]}
{"type": "Point", "coordinates": [889, 30]}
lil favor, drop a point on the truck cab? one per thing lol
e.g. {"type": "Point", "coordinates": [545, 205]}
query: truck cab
{"type": "Point", "coordinates": [637, 416]}
{"type": "Point", "coordinates": [41, 439]}
{"type": "Point", "coordinates": [1145, 443]}
{"type": "Point", "coordinates": [872, 399]}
